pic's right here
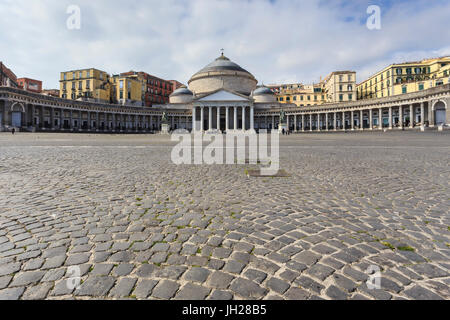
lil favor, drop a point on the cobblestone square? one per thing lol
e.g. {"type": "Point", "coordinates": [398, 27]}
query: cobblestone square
{"type": "Point", "coordinates": [136, 226]}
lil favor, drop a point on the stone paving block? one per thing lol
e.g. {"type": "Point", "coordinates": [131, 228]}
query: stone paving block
{"type": "Point", "coordinates": [247, 289]}
{"type": "Point", "coordinates": [197, 274]}
{"type": "Point", "coordinates": [11, 293]}
{"type": "Point", "coordinates": [123, 288]}
{"type": "Point", "coordinates": [26, 278]}
{"type": "Point", "coordinates": [95, 286]}
{"type": "Point", "coordinates": [165, 289]}
{"type": "Point", "coordinates": [277, 285]}
{"type": "Point", "coordinates": [220, 280]}
{"type": "Point", "coordinates": [420, 293]}
{"type": "Point", "coordinates": [144, 288]}
{"type": "Point", "coordinates": [192, 291]}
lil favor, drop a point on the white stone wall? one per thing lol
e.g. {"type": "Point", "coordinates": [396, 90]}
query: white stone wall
{"type": "Point", "coordinates": [208, 83]}
{"type": "Point", "coordinates": [266, 98]}
{"type": "Point", "coordinates": [181, 99]}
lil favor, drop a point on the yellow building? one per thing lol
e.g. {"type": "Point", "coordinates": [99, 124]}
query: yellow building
{"type": "Point", "coordinates": [338, 86]}
{"type": "Point", "coordinates": [300, 94]}
{"type": "Point", "coordinates": [85, 84]}
{"type": "Point", "coordinates": [405, 77]}
{"type": "Point", "coordinates": [128, 89]}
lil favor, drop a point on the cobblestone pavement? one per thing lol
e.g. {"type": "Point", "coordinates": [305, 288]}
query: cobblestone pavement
{"type": "Point", "coordinates": [138, 226]}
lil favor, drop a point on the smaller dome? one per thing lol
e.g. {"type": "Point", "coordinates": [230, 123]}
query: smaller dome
{"type": "Point", "coordinates": [261, 91]}
{"type": "Point", "coordinates": [181, 92]}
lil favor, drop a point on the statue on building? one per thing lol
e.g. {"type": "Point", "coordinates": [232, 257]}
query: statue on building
{"type": "Point", "coordinates": [282, 116]}
{"type": "Point", "coordinates": [164, 118]}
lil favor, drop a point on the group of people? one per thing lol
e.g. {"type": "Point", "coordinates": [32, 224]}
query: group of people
{"type": "Point", "coordinates": [286, 132]}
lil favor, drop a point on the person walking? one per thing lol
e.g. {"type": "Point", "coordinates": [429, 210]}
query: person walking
{"type": "Point", "coordinates": [13, 130]}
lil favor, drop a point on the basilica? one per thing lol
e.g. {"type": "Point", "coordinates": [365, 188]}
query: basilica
{"type": "Point", "coordinates": [223, 97]}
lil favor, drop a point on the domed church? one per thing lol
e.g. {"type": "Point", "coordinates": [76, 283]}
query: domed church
{"type": "Point", "coordinates": [222, 97]}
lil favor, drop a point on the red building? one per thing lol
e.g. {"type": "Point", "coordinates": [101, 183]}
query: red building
{"type": "Point", "coordinates": [156, 91]}
{"type": "Point", "coordinates": [7, 77]}
{"type": "Point", "coordinates": [176, 84]}
{"type": "Point", "coordinates": [31, 85]}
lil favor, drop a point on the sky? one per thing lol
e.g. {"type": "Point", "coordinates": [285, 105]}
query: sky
{"type": "Point", "coordinates": [278, 41]}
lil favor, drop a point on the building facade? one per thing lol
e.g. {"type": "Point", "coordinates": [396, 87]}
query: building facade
{"type": "Point", "coordinates": [213, 104]}
{"type": "Point", "coordinates": [7, 77]}
{"type": "Point", "coordinates": [338, 86]}
{"type": "Point", "coordinates": [31, 85]}
{"type": "Point", "coordinates": [403, 78]}
{"type": "Point", "coordinates": [85, 84]}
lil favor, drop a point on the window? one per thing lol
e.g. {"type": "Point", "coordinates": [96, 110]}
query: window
{"type": "Point", "coordinates": [341, 97]}
{"type": "Point", "coordinates": [404, 89]}
{"type": "Point", "coordinates": [340, 87]}
{"type": "Point", "coordinates": [73, 85]}
{"type": "Point", "coordinates": [341, 78]}
{"type": "Point", "coordinates": [350, 97]}
{"type": "Point", "coordinates": [350, 87]}
{"type": "Point", "coordinates": [88, 84]}
{"type": "Point", "coordinates": [421, 86]}
{"type": "Point", "coordinates": [309, 97]}
{"type": "Point", "coordinates": [121, 84]}
{"type": "Point", "coordinates": [398, 80]}
{"type": "Point", "coordinates": [288, 98]}
{"type": "Point", "coordinates": [281, 98]}
{"type": "Point", "coordinates": [388, 74]}
{"type": "Point", "coordinates": [349, 77]}
{"type": "Point", "coordinates": [418, 70]}
{"type": "Point", "coordinates": [445, 73]}
{"type": "Point", "coordinates": [399, 71]}
{"type": "Point", "coordinates": [129, 95]}
{"type": "Point", "coordinates": [73, 75]}
{"type": "Point", "coordinates": [65, 76]}
{"type": "Point", "coordinates": [295, 98]}
{"type": "Point", "coordinates": [121, 95]}
{"type": "Point", "coordinates": [301, 98]}
{"type": "Point", "coordinates": [64, 86]}
{"type": "Point", "coordinates": [101, 76]}
{"type": "Point", "coordinates": [323, 97]}
{"type": "Point", "coordinates": [315, 98]}
{"type": "Point", "coordinates": [81, 74]}
{"type": "Point", "coordinates": [88, 74]}
{"type": "Point", "coordinates": [80, 85]}
{"type": "Point", "coordinates": [408, 71]}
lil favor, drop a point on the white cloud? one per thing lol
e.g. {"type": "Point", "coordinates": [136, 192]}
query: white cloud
{"type": "Point", "coordinates": [280, 41]}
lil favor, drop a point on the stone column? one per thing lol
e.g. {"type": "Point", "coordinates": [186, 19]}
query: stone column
{"type": "Point", "coordinates": [335, 121]}
{"type": "Point", "coordinates": [326, 121]}
{"type": "Point", "coordinates": [400, 117]}
{"type": "Point", "coordinates": [390, 117]}
{"type": "Point", "coordinates": [227, 120]}
{"type": "Point", "coordinates": [193, 119]}
{"type": "Point", "coordinates": [318, 122]}
{"type": "Point", "coordinates": [273, 122]}
{"type": "Point", "coordinates": [235, 118]}
{"type": "Point", "coordinates": [303, 122]}
{"type": "Point", "coordinates": [218, 118]}
{"type": "Point", "coordinates": [61, 119]}
{"type": "Point", "coordinates": [202, 112]}
{"type": "Point", "coordinates": [380, 118]}
{"type": "Point", "coordinates": [80, 119]}
{"type": "Point", "coordinates": [361, 120]}
{"type": "Point", "coordinates": [370, 119]}
{"type": "Point", "coordinates": [41, 114]}
{"type": "Point", "coordinates": [422, 114]}
{"type": "Point", "coordinates": [310, 121]}
{"type": "Point", "coordinates": [352, 119]}
{"type": "Point", "coordinates": [343, 120]}
{"type": "Point", "coordinates": [252, 121]}
{"type": "Point", "coordinates": [411, 116]}
{"type": "Point", "coordinates": [243, 118]}
{"type": "Point", "coordinates": [71, 120]}
{"type": "Point", "coordinates": [52, 118]}
{"type": "Point", "coordinates": [295, 123]}
{"type": "Point", "coordinates": [89, 120]}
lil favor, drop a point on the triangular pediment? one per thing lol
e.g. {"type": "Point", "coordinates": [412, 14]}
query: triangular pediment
{"type": "Point", "coordinates": [223, 95]}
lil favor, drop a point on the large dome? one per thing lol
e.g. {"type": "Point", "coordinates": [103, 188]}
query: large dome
{"type": "Point", "coordinates": [222, 73]}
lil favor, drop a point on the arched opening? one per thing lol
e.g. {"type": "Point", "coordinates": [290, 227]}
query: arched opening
{"type": "Point", "coordinates": [440, 113]}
